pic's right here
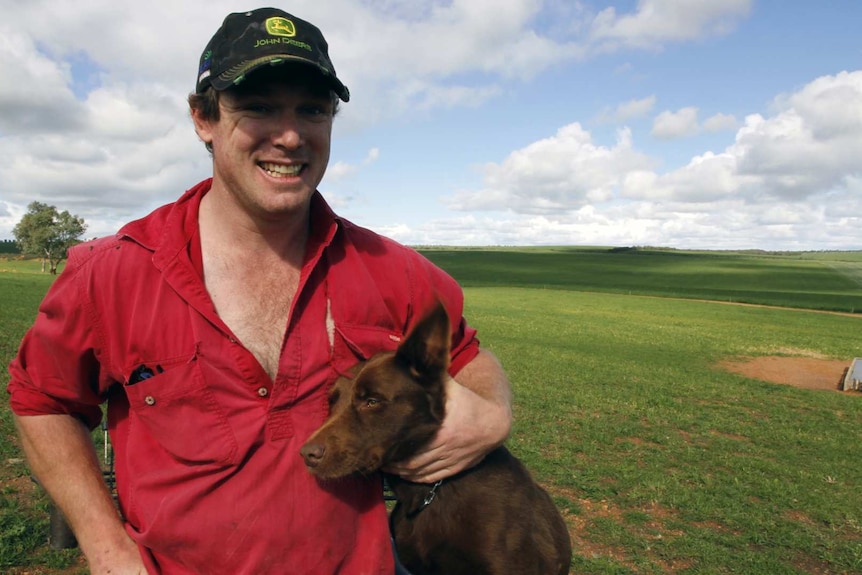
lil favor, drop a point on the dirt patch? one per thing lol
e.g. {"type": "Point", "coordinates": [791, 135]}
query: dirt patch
{"type": "Point", "coordinates": [803, 372]}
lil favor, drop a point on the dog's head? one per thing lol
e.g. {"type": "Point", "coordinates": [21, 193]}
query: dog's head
{"type": "Point", "coordinates": [391, 407]}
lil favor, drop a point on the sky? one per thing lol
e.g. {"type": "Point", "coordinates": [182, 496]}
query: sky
{"type": "Point", "coordinates": [691, 124]}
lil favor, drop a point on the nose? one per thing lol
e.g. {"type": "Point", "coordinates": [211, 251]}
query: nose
{"type": "Point", "coordinates": [312, 453]}
{"type": "Point", "coordinates": [286, 132]}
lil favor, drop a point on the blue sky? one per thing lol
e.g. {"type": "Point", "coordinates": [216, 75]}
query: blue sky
{"type": "Point", "coordinates": [680, 123]}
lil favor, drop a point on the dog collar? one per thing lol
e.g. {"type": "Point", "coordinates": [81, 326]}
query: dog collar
{"type": "Point", "coordinates": [427, 501]}
{"type": "Point", "coordinates": [431, 495]}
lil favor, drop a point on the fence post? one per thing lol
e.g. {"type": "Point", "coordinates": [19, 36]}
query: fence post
{"type": "Point", "coordinates": [60, 535]}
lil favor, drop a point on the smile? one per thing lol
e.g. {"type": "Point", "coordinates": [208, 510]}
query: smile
{"type": "Point", "coordinates": [280, 170]}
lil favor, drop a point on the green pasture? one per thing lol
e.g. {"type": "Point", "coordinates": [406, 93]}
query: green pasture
{"type": "Point", "coordinates": [815, 280]}
{"type": "Point", "coordinates": [665, 463]}
{"type": "Point", "coordinates": [661, 461]}
{"type": "Point", "coordinates": [23, 509]}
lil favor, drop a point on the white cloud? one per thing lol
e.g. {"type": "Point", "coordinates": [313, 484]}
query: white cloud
{"type": "Point", "coordinates": [808, 149]}
{"type": "Point", "coordinates": [133, 112]}
{"type": "Point", "coordinates": [830, 105]}
{"type": "Point", "coordinates": [684, 123]}
{"type": "Point", "coordinates": [671, 125]}
{"type": "Point", "coordinates": [657, 22]}
{"type": "Point", "coordinates": [720, 123]}
{"type": "Point", "coordinates": [428, 95]}
{"type": "Point", "coordinates": [811, 146]}
{"type": "Point", "coordinates": [124, 144]}
{"type": "Point", "coordinates": [627, 111]}
{"type": "Point", "coordinates": [716, 225]}
{"type": "Point", "coordinates": [437, 54]}
{"type": "Point", "coordinates": [765, 183]}
{"type": "Point", "coordinates": [34, 94]}
{"type": "Point", "coordinates": [442, 54]}
{"type": "Point", "coordinates": [338, 171]}
{"type": "Point", "coordinates": [706, 178]}
{"type": "Point", "coordinates": [561, 173]}
{"type": "Point", "coordinates": [102, 172]}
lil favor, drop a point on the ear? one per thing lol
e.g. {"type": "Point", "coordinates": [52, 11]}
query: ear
{"type": "Point", "coordinates": [203, 127]}
{"type": "Point", "coordinates": [426, 349]}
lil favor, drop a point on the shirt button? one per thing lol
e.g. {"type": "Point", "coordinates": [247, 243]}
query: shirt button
{"type": "Point", "coordinates": [150, 400]}
{"type": "Point", "coordinates": [263, 392]}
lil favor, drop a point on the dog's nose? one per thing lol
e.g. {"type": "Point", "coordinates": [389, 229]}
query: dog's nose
{"type": "Point", "coordinates": [312, 453]}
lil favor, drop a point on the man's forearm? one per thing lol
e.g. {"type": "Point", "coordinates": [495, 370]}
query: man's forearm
{"type": "Point", "coordinates": [61, 455]}
{"type": "Point", "coordinates": [485, 377]}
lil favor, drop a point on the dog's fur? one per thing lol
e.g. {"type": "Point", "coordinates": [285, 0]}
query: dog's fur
{"type": "Point", "coordinates": [492, 519]}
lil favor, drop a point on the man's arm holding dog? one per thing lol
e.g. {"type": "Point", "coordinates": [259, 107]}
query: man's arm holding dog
{"type": "Point", "coordinates": [478, 419]}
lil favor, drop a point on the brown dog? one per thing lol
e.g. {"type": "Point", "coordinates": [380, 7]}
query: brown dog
{"type": "Point", "coordinates": [492, 519]}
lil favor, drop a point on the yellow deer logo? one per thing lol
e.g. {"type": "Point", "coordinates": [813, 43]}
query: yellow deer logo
{"type": "Point", "coordinates": [278, 26]}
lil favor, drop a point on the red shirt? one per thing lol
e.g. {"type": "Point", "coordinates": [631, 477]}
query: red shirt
{"type": "Point", "coordinates": [208, 470]}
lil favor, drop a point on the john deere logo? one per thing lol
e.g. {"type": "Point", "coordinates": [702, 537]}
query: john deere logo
{"type": "Point", "coordinates": [278, 26]}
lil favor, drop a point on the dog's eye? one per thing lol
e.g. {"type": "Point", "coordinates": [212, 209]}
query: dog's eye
{"type": "Point", "coordinates": [370, 402]}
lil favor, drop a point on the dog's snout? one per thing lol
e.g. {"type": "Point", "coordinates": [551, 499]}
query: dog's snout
{"type": "Point", "coordinates": [312, 453]}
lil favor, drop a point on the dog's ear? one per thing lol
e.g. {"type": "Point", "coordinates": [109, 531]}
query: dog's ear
{"type": "Point", "coordinates": [426, 349]}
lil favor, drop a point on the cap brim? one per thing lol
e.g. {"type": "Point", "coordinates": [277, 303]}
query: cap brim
{"type": "Point", "coordinates": [238, 73]}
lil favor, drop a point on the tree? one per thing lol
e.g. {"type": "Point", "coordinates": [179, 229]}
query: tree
{"type": "Point", "coordinates": [47, 233]}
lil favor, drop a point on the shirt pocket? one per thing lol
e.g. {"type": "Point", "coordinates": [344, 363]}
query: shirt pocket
{"type": "Point", "coordinates": [181, 413]}
{"type": "Point", "coordinates": [357, 343]}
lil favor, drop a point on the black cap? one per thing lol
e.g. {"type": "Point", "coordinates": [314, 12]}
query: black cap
{"type": "Point", "coordinates": [248, 40]}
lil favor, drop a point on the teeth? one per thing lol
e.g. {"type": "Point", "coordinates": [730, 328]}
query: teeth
{"type": "Point", "coordinates": [280, 170]}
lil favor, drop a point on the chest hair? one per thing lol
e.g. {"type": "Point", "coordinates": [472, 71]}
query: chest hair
{"type": "Point", "coordinates": [253, 298]}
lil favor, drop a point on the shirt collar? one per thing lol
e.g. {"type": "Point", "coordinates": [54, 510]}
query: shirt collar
{"type": "Point", "coordinates": [169, 229]}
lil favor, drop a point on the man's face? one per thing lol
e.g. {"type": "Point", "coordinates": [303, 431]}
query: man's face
{"type": "Point", "coordinates": [271, 142]}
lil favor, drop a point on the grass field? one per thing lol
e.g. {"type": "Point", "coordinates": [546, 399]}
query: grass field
{"type": "Point", "coordinates": [661, 461]}
{"type": "Point", "coordinates": [822, 280]}
{"type": "Point", "coordinates": [23, 508]}
{"type": "Point", "coordinates": [665, 463]}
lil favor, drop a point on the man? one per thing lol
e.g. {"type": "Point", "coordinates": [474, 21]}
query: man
{"type": "Point", "coordinates": [214, 328]}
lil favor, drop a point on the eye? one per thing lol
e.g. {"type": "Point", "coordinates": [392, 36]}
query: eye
{"type": "Point", "coordinates": [260, 109]}
{"type": "Point", "coordinates": [316, 110]}
{"type": "Point", "coordinates": [369, 402]}
{"type": "Point", "coordinates": [366, 397]}
{"type": "Point", "coordinates": [311, 110]}
{"type": "Point", "coordinates": [250, 104]}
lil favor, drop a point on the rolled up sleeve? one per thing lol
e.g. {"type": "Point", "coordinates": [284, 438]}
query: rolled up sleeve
{"type": "Point", "coordinates": [56, 370]}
